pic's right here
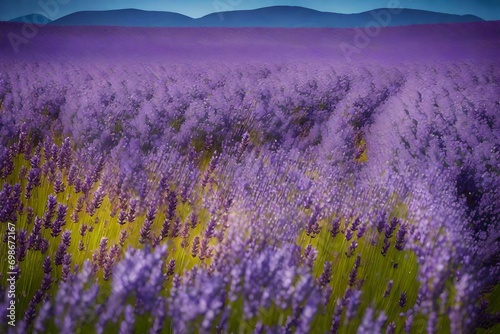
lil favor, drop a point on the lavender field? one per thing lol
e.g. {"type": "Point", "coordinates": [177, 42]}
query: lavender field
{"type": "Point", "coordinates": [250, 180]}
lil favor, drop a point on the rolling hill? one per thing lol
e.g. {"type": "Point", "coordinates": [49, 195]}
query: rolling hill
{"type": "Point", "coordinates": [269, 17]}
{"type": "Point", "coordinates": [32, 18]}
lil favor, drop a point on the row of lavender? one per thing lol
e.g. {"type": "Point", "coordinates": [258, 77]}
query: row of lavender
{"type": "Point", "coordinates": [273, 157]}
{"type": "Point", "coordinates": [444, 115]}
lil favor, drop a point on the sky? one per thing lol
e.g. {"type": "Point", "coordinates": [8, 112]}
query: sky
{"type": "Point", "coordinates": [53, 9]}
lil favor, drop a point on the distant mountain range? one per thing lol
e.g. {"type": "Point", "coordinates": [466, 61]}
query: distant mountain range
{"type": "Point", "coordinates": [270, 17]}
{"type": "Point", "coordinates": [32, 18]}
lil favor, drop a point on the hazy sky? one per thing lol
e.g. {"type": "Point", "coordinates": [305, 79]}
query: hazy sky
{"type": "Point", "coordinates": [9, 9]}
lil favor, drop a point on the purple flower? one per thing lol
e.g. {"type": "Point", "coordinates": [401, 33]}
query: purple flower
{"type": "Point", "coordinates": [432, 323]}
{"type": "Point", "coordinates": [129, 276]}
{"type": "Point", "coordinates": [54, 150]}
{"type": "Point", "coordinates": [7, 164]}
{"type": "Point", "coordinates": [91, 208]}
{"type": "Point", "coordinates": [66, 238]}
{"type": "Point", "coordinates": [7, 211]}
{"type": "Point", "coordinates": [209, 232]}
{"type": "Point", "coordinates": [307, 314]}
{"type": "Point", "coordinates": [79, 204]}
{"type": "Point", "coordinates": [352, 304]}
{"type": "Point", "coordinates": [355, 224]}
{"type": "Point", "coordinates": [195, 246]}
{"type": "Point", "coordinates": [193, 219]}
{"type": "Point", "coordinates": [44, 314]}
{"type": "Point", "coordinates": [30, 313]}
{"type": "Point", "coordinates": [145, 231]}
{"type": "Point", "coordinates": [391, 328]}
{"type": "Point", "coordinates": [385, 247]}
{"type": "Point", "coordinates": [185, 235]}
{"type": "Point", "coordinates": [56, 228]}
{"type": "Point", "coordinates": [388, 289]}
{"type": "Point", "coordinates": [7, 156]}
{"type": "Point", "coordinates": [22, 245]}
{"type": "Point", "coordinates": [72, 175]}
{"type": "Point", "coordinates": [159, 314]}
{"type": "Point", "coordinates": [20, 145]}
{"type": "Point", "coordinates": [30, 215]}
{"type": "Point", "coordinates": [203, 298]}
{"type": "Point", "coordinates": [326, 294]}
{"type": "Point", "coordinates": [83, 229]}
{"type": "Point", "coordinates": [463, 310]}
{"type": "Point", "coordinates": [44, 245]}
{"type": "Point", "coordinates": [172, 205]}
{"type": "Point", "coordinates": [210, 169]}
{"type": "Point", "coordinates": [337, 313]}
{"type": "Point", "coordinates": [408, 323]}
{"type": "Point", "coordinates": [389, 229]}
{"type": "Point", "coordinates": [102, 252]}
{"type": "Point", "coordinates": [60, 220]}
{"type": "Point", "coordinates": [171, 267]}
{"type": "Point", "coordinates": [165, 228]}
{"type": "Point", "coordinates": [47, 148]}
{"type": "Point", "coordinates": [59, 185]}
{"type": "Point", "coordinates": [381, 222]}
{"type": "Point", "coordinates": [351, 249]}
{"type": "Point", "coordinates": [74, 216]}
{"type": "Point", "coordinates": [132, 210]}
{"type": "Point", "coordinates": [15, 200]}
{"type": "Point", "coordinates": [357, 261]}
{"type": "Point", "coordinates": [127, 324]}
{"type": "Point", "coordinates": [50, 210]}
{"type": "Point", "coordinates": [63, 246]}
{"type": "Point", "coordinates": [402, 299]}
{"type": "Point", "coordinates": [208, 142]}
{"type": "Point", "coordinates": [349, 234]}
{"type": "Point", "coordinates": [34, 179]}
{"type": "Point", "coordinates": [23, 171]}
{"type": "Point", "coordinates": [66, 267]}
{"type": "Point", "coordinates": [112, 257]}
{"type": "Point", "coordinates": [47, 267]}
{"type": "Point", "coordinates": [122, 217]}
{"type": "Point", "coordinates": [123, 238]}
{"type": "Point", "coordinates": [245, 140]}
{"type": "Point", "coordinates": [400, 236]}
{"type": "Point", "coordinates": [312, 227]}
{"type": "Point", "coordinates": [46, 282]}
{"type": "Point", "coordinates": [176, 228]}
{"type": "Point", "coordinates": [309, 256]}
{"type": "Point", "coordinates": [49, 170]}
{"type": "Point", "coordinates": [96, 201]}
{"type": "Point", "coordinates": [78, 185]}
{"type": "Point", "coordinates": [361, 231]}
{"type": "Point", "coordinates": [354, 272]}
{"type": "Point", "coordinates": [371, 325]}
{"type": "Point", "coordinates": [205, 249]}
{"type": "Point", "coordinates": [325, 277]}
{"type": "Point", "coordinates": [75, 301]}
{"type": "Point", "coordinates": [335, 227]}
{"type": "Point", "coordinates": [65, 155]}
{"type": "Point", "coordinates": [152, 210]}
{"type": "Point", "coordinates": [97, 168]}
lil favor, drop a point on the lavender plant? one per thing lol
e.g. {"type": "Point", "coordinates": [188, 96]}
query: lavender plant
{"type": "Point", "coordinates": [286, 200]}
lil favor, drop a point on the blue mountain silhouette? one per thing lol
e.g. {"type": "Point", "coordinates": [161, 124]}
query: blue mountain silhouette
{"type": "Point", "coordinates": [277, 16]}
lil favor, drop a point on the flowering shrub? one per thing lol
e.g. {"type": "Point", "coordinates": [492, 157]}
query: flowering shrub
{"type": "Point", "coordinates": [251, 198]}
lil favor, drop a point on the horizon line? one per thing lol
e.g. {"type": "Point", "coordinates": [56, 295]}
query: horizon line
{"type": "Point", "coordinates": [249, 10]}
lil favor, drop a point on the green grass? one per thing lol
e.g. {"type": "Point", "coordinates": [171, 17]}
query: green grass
{"type": "Point", "coordinates": [375, 270]}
